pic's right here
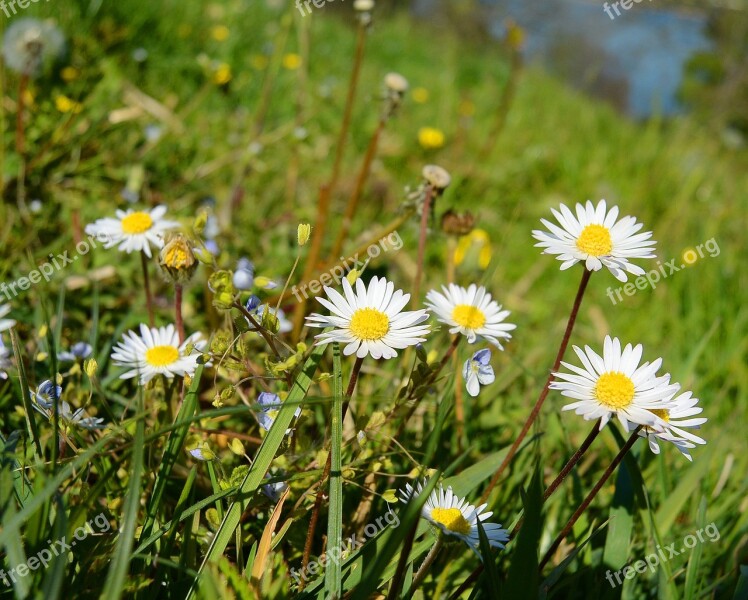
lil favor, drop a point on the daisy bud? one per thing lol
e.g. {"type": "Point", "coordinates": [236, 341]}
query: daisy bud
{"type": "Point", "coordinates": [436, 177]}
{"type": "Point", "coordinates": [91, 366]}
{"type": "Point", "coordinates": [177, 259]}
{"type": "Point", "coordinates": [303, 232]}
{"type": "Point", "coordinates": [237, 447]}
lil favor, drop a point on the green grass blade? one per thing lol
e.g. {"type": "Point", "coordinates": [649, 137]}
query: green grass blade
{"type": "Point", "coordinates": [113, 588]}
{"type": "Point", "coordinates": [333, 577]}
{"type": "Point", "coordinates": [25, 395]}
{"type": "Point", "coordinates": [262, 461]}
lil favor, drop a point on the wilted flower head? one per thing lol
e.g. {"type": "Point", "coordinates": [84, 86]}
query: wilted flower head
{"type": "Point", "coordinates": [29, 45]}
{"type": "Point", "coordinates": [436, 177]}
{"type": "Point", "coordinates": [177, 258]}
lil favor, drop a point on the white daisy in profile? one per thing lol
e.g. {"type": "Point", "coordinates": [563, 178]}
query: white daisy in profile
{"type": "Point", "coordinates": [5, 324]}
{"type": "Point", "coordinates": [133, 230]}
{"type": "Point", "coordinates": [676, 416]}
{"type": "Point", "coordinates": [471, 312]}
{"type": "Point", "coordinates": [595, 237]}
{"type": "Point", "coordinates": [456, 517]}
{"type": "Point", "coordinates": [157, 351]}
{"type": "Point", "coordinates": [370, 321]}
{"type": "Point", "coordinates": [616, 384]}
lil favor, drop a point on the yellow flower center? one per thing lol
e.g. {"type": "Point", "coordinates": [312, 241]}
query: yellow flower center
{"type": "Point", "coordinates": [614, 390]}
{"type": "Point", "coordinates": [468, 316]}
{"type": "Point", "coordinates": [452, 519]}
{"type": "Point", "coordinates": [161, 356]}
{"type": "Point", "coordinates": [595, 240]}
{"type": "Point", "coordinates": [137, 222]}
{"type": "Point", "coordinates": [663, 413]}
{"type": "Point", "coordinates": [369, 324]}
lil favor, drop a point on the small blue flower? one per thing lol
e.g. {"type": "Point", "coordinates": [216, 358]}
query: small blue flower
{"type": "Point", "coordinates": [270, 404]}
{"type": "Point", "coordinates": [253, 302]}
{"type": "Point", "coordinates": [244, 275]}
{"type": "Point", "coordinates": [477, 371]}
{"type": "Point", "coordinates": [46, 393]}
{"type": "Point", "coordinates": [78, 351]}
{"type": "Point", "coordinates": [274, 490]}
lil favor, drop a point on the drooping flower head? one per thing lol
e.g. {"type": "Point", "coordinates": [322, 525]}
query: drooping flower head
{"type": "Point", "coordinates": [133, 230]}
{"type": "Point", "coordinates": [477, 371]}
{"type": "Point", "coordinates": [677, 418]}
{"type": "Point", "coordinates": [456, 517]}
{"type": "Point", "coordinates": [595, 236]}
{"type": "Point", "coordinates": [157, 351]}
{"type": "Point", "coordinates": [616, 385]}
{"type": "Point", "coordinates": [371, 320]}
{"type": "Point", "coordinates": [471, 312]}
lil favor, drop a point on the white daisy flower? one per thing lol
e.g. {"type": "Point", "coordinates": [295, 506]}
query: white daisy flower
{"type": "Point", "coordinates": [157, 351]}
{"type": "Point", "coordinates": [477, 371]}
{"type": "Point", "coordinates": [371, 321]}
{"type": "Point", "coordinates": [471, 312]}
{"type": "Point", "coordinates": [594, 236]}
{"type": "Point", "coordinates": [616, 384]}
{"type": "Point", "coordinates": [456, 517]}
{"type": "Point", "coordinates": [5, 324]}
{"type": "Point", "coordinates": [133, 230]}
{"type": "Point", "coordinates": [676, 416]}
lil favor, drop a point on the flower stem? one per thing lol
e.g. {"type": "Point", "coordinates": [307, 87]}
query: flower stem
{"type": "Point", "coordinates": [427, 562]}
{"type": "Point", "coordinates": [350, 209]}
{"type": "Point", "coordinates": [147, 287]}
{"type": "Point", "coordinates": [326, 473]}
{"type": "Point", "coordinates": [326, 190]}
{"type": "Point", "coordinates": [590, 497]}
{"type": "Point", "coordinates": [425, 210]}
{"type": "Point", "coordinates": [178, 311]}
{"type": "Point", "coordinates": [575, 458]}
{"type": "Point", "coordinates": [544, 393]}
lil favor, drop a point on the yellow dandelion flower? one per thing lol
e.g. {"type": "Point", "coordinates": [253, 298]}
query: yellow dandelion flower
{"type": "Point", "coordinates": [430, 138]}
{"type": "Point", "coordinates": [291, 61]}
{"type": "Point", "coordinates": [219, 33]}
{"type": "Point", "coordinates": [479, 238]}
{"type": "Point", "coordinates": [66, 105]}
{"type": "Point", "coordinates": [222, 74]}
{"type": "Point", "coordinates": [420, 95]}
{"type": "Point", "coordinates": [69, 74]}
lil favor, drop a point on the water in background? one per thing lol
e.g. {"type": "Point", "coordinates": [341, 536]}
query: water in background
{"type": "Point", "coordinates": [634, 61]}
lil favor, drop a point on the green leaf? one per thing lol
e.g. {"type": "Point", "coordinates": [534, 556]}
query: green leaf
{"type": "Point", "coordinates": [523, 578]}
{"type": "Point", "coordinates": [621, 518]}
